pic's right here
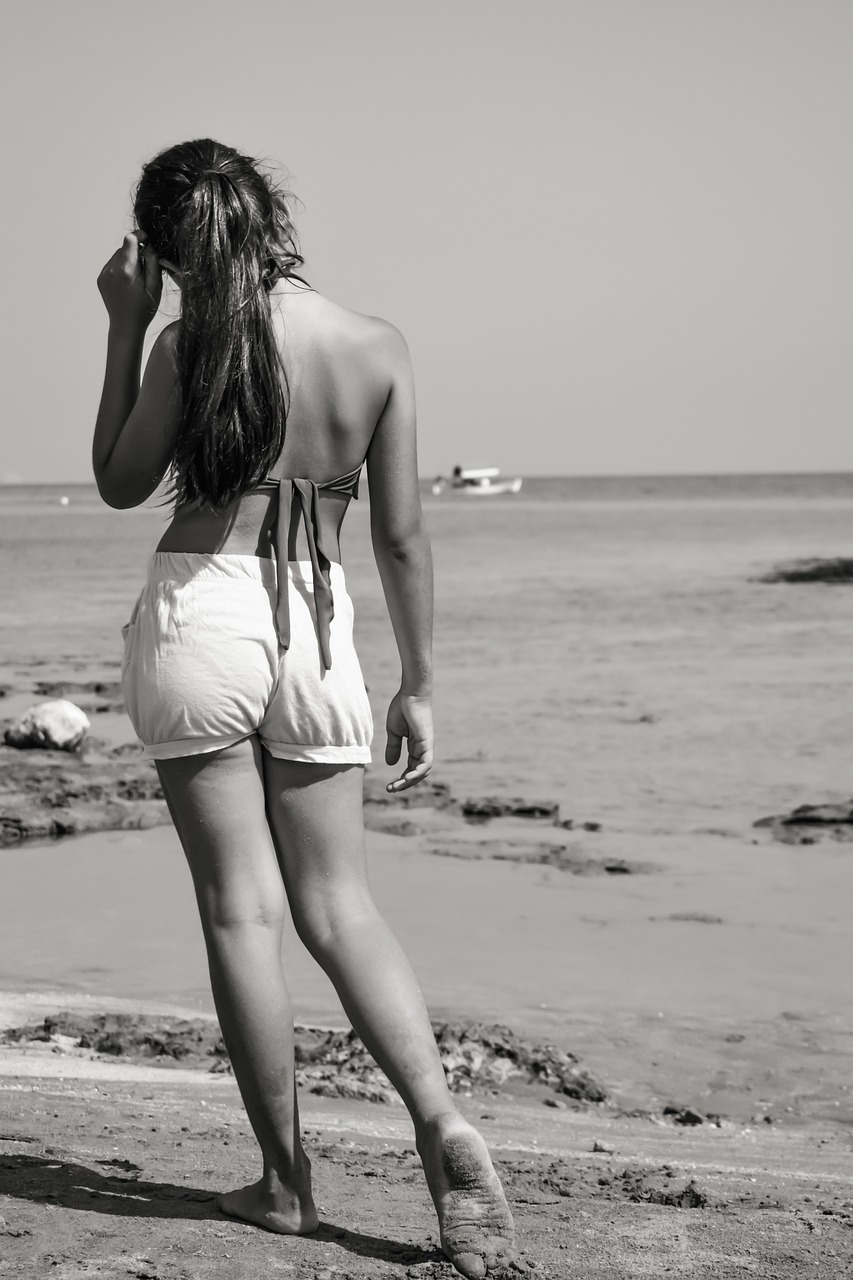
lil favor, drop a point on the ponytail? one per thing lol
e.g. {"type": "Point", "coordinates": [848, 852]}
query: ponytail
{"type": "Point", "coordinates": [210, 211]}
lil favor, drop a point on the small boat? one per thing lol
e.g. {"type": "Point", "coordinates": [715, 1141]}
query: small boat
{"type": "Point", "coordinates": [478, 482]}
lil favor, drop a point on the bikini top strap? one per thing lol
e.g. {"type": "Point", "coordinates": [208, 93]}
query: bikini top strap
{"type": "Point", "coordinates": [347, 484]}
{"type": "Point", "coordinates": [344, 484]}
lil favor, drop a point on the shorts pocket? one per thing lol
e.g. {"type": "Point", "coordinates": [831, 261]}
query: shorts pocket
{"type": "Point", "coordinates": [127, 633]}
{"type": "Point", "coordinates": [131, 622]}
{"type": "Point", "coordinates": [127, 637]}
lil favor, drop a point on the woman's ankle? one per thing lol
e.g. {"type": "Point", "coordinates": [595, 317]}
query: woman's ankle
{"type": "Point", "coordinates": [433, 1125]}
{"type": "Point", "coordinates": [287, 1171]}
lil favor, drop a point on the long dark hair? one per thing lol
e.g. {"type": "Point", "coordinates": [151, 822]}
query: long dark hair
{"type": "Point", "coordinates": [227, 228]}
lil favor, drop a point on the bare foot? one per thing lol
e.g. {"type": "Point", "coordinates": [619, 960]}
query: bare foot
{"type": "Point", "coordinates": [271, 1204]}
{"type": "Point", "coordinates": [477, 1232]}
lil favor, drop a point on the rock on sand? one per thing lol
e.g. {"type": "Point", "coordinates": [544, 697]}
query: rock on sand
{"type": "Point", "coordinates": [59, 725]}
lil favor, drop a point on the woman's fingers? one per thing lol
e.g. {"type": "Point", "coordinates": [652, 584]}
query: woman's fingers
{"type": "Point", "coordinates": [393, 746]}
{"type": "Point", "coordinates": [410, 778]}
{"type": "Point", "coordinates": [138, 253]}
{"type": "Point", "coordinates": [151, 263]}
{"type": "Point", "coordinates": [153, 274]}
{"type": "Point", "coordinates": [131, 247]}
{"type": "Point", "coordinates": [417, 768]}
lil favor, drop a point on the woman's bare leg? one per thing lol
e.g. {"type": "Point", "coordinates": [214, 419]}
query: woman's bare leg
{"type": "Point", "coordinates": [315, 816]}
{"type": "Point", "coordinates": [217, 804]}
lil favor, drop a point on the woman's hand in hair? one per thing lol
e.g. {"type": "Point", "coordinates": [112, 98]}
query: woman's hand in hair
{"type": "Point", "coordinates": [409, 717]}
{"type": "Point", "coordinates": [131, 285]}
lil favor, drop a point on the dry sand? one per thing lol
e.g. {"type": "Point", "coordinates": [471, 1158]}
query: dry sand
{"type": "Point", "coordinates": [116, 1174]}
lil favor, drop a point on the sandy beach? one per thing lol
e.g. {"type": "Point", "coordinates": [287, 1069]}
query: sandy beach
{"type": "Point", "coordinates": [629, 913]}
{"type": "Point", "coordinates": [115, 1174]}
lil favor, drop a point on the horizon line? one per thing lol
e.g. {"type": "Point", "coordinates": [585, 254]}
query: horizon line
{"type": "Point", "coordinates": [553, 475]}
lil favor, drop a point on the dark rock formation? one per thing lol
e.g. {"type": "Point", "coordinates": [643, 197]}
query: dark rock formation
{"type": "Point", "coordinates": [684, 1115]}
{"type": "Point", "coordinates": [833, 572]}
{"type": "Point", "coordinates": [91, 695]}
{"type": "Point", "coordinates": [474, 1056]}
{"type": "Point", "coordinates": [136, 1037]}
{"type": "Point", "coordinates": [693, 917]}
{"type": "Point", "coordinates": [493, 807]}
{"type": "Point", "coordinates": [47, 794]}
{"type": "Point", "coordinates": [808, 822]}
{"type": "Point", "coordinates": [329, 1063]}
{"type": "Point", "coordinates": [565, 857]}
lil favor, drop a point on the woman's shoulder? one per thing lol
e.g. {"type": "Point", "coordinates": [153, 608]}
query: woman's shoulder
{"type": "Point", "coordinates": [370, 334]}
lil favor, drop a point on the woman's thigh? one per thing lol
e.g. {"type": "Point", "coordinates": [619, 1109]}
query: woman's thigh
{"type": "Point", "coordinates": [316, 818]}
{"type": "Point", "coordinates": [217, 802]}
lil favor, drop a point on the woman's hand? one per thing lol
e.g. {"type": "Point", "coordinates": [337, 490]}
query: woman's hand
{"type": "Point", "coordinates": [131, 285]}
{"type": "Point", "coordinates": [410, 718]}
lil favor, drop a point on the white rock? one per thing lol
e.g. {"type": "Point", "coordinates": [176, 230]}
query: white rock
{"type": "Point", "coordinates": [59, 725]}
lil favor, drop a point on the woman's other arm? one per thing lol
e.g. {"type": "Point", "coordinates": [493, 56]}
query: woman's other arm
{"type": "Point", "coordinates": [136, 426]}
{"type": "Point", "coordinates": [404, 561]}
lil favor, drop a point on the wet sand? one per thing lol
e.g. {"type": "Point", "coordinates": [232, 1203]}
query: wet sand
{"type": "Point", "coordinates": [644, 974]}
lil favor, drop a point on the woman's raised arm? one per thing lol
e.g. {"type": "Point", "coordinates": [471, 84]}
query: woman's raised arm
{"type": "Point", "coordinates": [136, 426]}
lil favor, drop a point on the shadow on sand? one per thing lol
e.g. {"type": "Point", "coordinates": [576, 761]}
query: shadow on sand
{"type": "Point", "coordinates": [123, 1193]}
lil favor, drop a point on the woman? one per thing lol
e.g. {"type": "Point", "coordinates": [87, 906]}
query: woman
{"type": "Point", "coordinates": [239, 672]}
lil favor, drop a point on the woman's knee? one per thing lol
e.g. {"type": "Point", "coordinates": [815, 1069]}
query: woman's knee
{"type": "Point", "coordinates": [325, 917]}
{"type": "Point", "coordinates": [232, 908]}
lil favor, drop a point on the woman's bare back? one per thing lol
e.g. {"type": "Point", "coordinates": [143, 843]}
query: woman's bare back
{"type": "Point", "coordinates": [339, 380]}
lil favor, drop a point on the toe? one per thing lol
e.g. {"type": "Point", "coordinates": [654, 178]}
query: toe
{"type": "Point", "coordinates": [472, 1265]}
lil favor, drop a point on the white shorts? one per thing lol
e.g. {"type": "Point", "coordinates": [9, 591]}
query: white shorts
{"type": "Point", "coordinates": [203, 667]}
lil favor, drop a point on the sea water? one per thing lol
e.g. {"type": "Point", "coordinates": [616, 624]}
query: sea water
{"type": "Point", "coordinates": [601, 642]}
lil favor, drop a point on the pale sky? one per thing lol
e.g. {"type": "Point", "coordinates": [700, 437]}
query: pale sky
{"type": "Point", "coordinates": [616, 233]}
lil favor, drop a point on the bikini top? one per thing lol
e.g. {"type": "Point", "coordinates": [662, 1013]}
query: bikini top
{"type": "Point", "coordinates": [307, 495]}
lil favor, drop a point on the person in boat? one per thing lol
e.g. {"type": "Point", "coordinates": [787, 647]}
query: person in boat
{"type": "Point", "coordinates": [260, 405]}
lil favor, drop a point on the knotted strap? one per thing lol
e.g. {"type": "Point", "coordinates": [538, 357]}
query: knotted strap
{"type": "Point", "coordinates": [320, 565]}
{"type": "Point", "coordinates": [308, 496]}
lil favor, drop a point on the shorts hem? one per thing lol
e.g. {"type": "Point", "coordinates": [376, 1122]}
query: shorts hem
{"type": "Point", "coordinates": [322, 753]}
{"type": "Point", "coordinates": [190, 747]}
